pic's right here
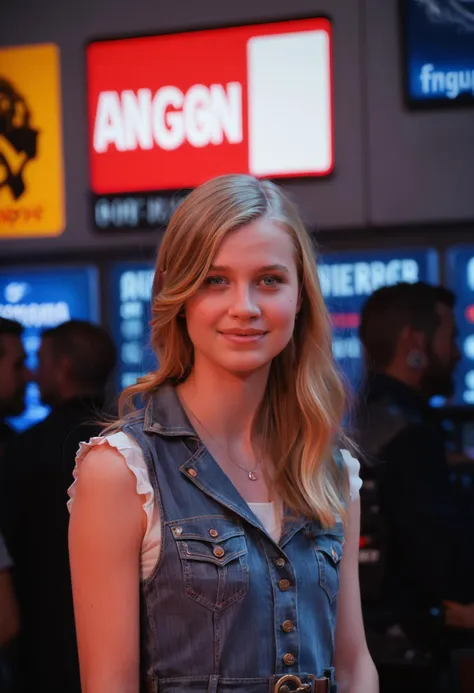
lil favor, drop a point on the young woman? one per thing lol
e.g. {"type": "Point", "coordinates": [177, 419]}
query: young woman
{"type": "Point", "coordinates": [214, 534]}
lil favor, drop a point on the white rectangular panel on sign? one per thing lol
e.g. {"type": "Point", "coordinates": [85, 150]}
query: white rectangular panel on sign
{"type": "Point", "coordinates": [289, 89]}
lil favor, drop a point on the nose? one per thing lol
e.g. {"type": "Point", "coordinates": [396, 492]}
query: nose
{"type": "Point", "coordinates": [244, 303]}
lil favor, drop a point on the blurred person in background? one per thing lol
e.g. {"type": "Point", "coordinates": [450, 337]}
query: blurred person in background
{"type": "Point", "coordinates": [9, 620]}
{"type": "Point", "coordinates": [75, 361]}
{"type": "Point", "coordinates": [14, 376]}
{"type": "Point", "coordinates": [408, 332]}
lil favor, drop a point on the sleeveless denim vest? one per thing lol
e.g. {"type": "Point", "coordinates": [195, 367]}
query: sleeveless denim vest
{"type": "Point", "coordinates": [228, 609]}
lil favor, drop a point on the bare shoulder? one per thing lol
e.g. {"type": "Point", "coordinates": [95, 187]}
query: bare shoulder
{"type": "Point", "coordinates": [106, 493]}
{"type": "Point", "coordinates": [104, 466]}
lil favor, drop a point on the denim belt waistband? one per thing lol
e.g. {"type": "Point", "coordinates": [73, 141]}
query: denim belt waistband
{"type": "Point", "coordinates": [287, 683]}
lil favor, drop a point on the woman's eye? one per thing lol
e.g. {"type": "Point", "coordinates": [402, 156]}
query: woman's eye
{"type": "Point", "coordinates": [267, 281]}
{"type": "Point", "coordinates": [215, 281]}
{"type": "Point", "coordinates": [271, 281]}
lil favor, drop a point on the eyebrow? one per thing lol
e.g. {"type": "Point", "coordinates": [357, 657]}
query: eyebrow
{"type": "Point", "coordinates": [267, 268]}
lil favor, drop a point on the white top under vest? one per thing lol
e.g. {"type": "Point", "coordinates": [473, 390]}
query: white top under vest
{"type": "Point", "coordinates": [267, 513]}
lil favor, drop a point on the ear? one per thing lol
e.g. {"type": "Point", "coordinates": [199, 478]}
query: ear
{"type": "Point", "coordinates": [419, 340]}
{"type": "Point", "coordinates": [411, 341]}
{"type": "Point", "coordinates": [64, 368]}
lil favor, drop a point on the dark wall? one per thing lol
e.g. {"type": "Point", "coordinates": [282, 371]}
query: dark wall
{"type": "Point", "coordinates": [392, 167]}
{"type": "Point", "coordinates": [420, 164]}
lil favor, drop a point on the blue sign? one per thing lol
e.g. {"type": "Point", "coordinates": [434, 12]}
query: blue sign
{"type": "Point", "coordinates": [439, 50]}
{"type": "Point", "coordinates": [348, 279]}
{"type": "Point", "coordinates": [130, 302]}
{"type": "Point", "coordinates": [461, 281]}
{"type": "Point", "coordinates": [40, 299]}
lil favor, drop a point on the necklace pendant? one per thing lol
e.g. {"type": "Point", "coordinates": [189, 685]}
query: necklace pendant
{"type": "Point", "coordinates": [253, 476]}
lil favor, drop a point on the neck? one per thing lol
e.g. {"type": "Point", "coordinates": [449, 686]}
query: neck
{"type": "Point", "coordinates": [225, 404]}
{"type": "Point", "coordinates": [404, 374]}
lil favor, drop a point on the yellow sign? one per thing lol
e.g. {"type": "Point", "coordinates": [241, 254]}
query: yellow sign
{"type": "Point", "coordinates": [31, 158]}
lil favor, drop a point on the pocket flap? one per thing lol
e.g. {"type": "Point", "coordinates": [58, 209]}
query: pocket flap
{"type": "Point", "coordinates": [211, 528]}
{"type": "Point", "coordinates": [213, 539]}
{"type": "Point", "coordinates": [331, 548]}
{"type": "Point", "coordinates": [219, 554]}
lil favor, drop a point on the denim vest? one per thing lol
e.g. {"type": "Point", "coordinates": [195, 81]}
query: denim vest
{"type": "Point", "coordinates": [228, 609]}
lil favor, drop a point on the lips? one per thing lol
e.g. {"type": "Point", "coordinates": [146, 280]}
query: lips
{"type": "Point", "coordinates": [246, 337]}
{"type": "Point", "coordinates": [243, 332]}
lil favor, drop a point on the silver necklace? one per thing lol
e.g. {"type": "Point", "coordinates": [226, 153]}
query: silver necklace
{"type": "Point", "coordinates": [251, 473]}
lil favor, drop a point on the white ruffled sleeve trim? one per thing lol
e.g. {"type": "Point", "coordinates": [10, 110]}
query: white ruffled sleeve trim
{"type": "Point", "coordinates": [133, 456]}
{"type": "Point", "coordinates": [353, 466]}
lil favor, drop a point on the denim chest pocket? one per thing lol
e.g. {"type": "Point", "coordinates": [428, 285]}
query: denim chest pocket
{"type": "Point", "coordinates": [328, 548]}
{"type": "Point", "coordinates": [214, 560]}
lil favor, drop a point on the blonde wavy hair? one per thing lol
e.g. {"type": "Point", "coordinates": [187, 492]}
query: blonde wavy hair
{"type": "Point", "coordinates": [301, 414]}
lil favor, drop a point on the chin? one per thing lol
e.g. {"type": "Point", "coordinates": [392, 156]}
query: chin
{"type": "Point", "coordinates": [243, 365]}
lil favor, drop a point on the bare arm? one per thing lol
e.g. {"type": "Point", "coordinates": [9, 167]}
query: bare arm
{"type": "Point", "coordinates": [9, 621]}
{"type": "Point", "coordinates": [105, 536]}
{"type": "Point", "coordinates": [355, 670]}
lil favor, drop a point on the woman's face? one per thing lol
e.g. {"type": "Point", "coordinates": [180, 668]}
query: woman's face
{"type": "Point", "coordinates": [244, 314]}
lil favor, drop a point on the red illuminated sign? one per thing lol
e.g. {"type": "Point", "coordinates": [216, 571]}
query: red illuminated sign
{"type": "Point", "coordinates": [169, 112]}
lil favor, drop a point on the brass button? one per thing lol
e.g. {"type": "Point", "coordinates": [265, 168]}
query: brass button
{"type": "Point", "coordinates": [177, 531]}
{"type": "Point", "coordinates": [218, 551]}
{"type": "Point", "coordinates": [287, 626]}
{"type": "Point", "coordinates": [334, 553]}
{"type": "Point", "coordinates": [289, 659]}
{"type": "Point", "coordinates": [280, 562]}
{"type": "Point", "coordinates": [284, 585]}
{"type": "Point", "coordinates": [214, 533]}
{"type": "Point", "coordinates": [193, 473]}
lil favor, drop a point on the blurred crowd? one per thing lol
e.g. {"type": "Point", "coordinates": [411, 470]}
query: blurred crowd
{"type": "Point", "coordinates": [75, 361]}
{"type": "Point", "coordinates": [417, 528]}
